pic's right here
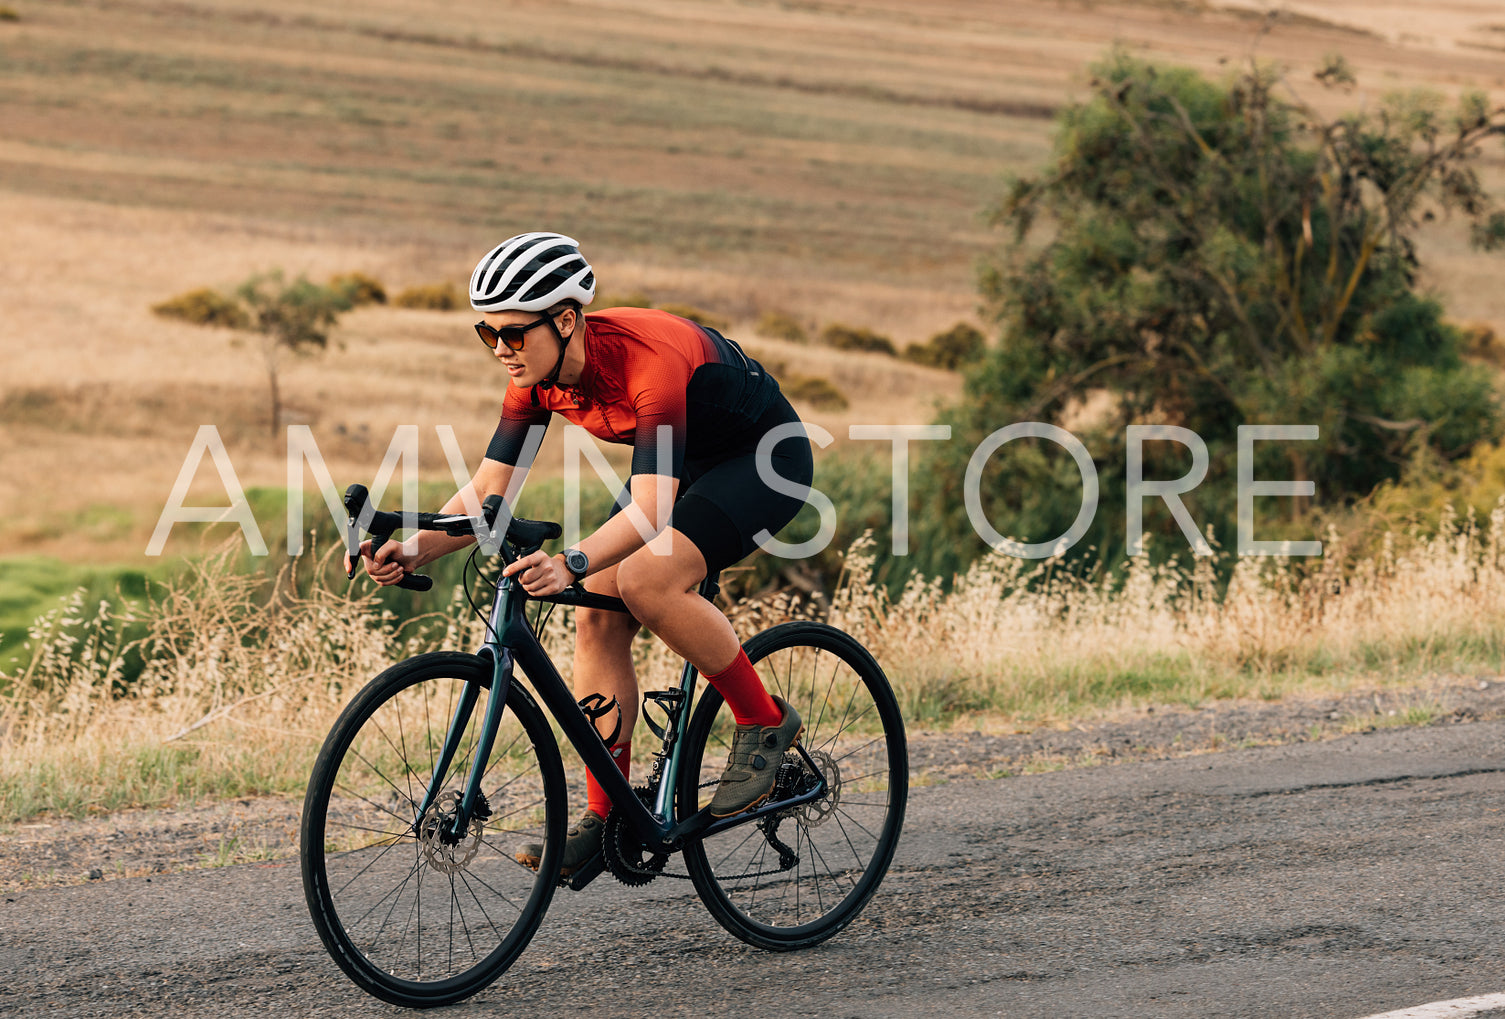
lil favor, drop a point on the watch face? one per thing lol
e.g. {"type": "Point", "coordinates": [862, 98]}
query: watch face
{"type": "Point", "coordinates": [576, 562]}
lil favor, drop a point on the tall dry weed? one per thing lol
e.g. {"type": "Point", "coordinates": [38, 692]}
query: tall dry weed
{"type": "Point", "coordinates": [237, 687]}
{"type": "Point", "coordinates": [1028, 640]}
{"type": "Point", "coordinates": [239, 682]}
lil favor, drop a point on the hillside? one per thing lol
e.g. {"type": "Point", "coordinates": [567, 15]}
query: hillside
{"type": "Point", "coordinates": [829, 160]}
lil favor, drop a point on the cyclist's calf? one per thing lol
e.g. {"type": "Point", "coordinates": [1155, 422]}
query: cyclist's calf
{"type": "Point", "coordinates": [603, 661]}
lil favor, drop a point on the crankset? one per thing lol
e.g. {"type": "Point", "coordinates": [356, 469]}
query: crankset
{"type": "Point", "coordinates": [624, 853]}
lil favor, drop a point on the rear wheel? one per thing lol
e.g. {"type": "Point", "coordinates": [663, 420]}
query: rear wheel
{"type": "Point", "coordinates": [412, 913]}
{"type": "Point", "coordinates": [796, 877]}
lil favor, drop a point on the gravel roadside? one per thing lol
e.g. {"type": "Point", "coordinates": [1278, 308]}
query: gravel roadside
{"type": "Point", "coordinates": [51, 851]}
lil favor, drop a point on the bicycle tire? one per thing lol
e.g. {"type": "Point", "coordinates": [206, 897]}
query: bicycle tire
{"type": "Point", "coordinates": [367, 857]}
{"type": "Point", "coordinates": [843, 842]}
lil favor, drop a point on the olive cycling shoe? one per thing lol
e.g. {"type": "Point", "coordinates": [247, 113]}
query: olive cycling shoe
{"type": "Point", "coordinates": [757, 752]}
{"type": "Point", "coordinates": [581, 843]}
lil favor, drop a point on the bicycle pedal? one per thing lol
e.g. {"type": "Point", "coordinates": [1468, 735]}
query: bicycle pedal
{"type": "Point", "coordinates": [585, 873]}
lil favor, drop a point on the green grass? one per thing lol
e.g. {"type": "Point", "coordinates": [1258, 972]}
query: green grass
{"type": "Point", "coordinates": [33, 585]}
{"type": "Point", "coordinates": [147, 775]}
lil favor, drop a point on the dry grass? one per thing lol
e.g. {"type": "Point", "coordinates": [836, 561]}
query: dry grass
{"type": "Point", "coordinates": [136, 391]}
{"type": "Point", "coordinates": [237, 691]}
{"type": "Point", "coordinates": [1014, 637]}
{"type": "Point", "coordinates": [239, 688]}
{"type": "Point", "coordinates": [828, 161]}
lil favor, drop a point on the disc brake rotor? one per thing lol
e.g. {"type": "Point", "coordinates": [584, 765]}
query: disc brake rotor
{"type": "Point", "coordinates": [442, 854]}
{"type": "Point", "coordinates": [818, 812]}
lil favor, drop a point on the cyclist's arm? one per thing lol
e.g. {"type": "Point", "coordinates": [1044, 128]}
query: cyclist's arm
{"type": "Point", "coordinates": [661, 413]}
{"type": "Point", "coordinates": [613, 541]}
{"type": "Point", "coordinates": [619, 537]}
{"type": "Point", "coordinates": [661, 416]}
{"type": "Point", "coordinates": [395, 558]}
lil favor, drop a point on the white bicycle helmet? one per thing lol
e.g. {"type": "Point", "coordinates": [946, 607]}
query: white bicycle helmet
{"type": "Point", "coordinates": [532, 272]}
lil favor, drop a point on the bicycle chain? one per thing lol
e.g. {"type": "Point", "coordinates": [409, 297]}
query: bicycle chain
{"type": "Point", "coordinates": [766, 825]}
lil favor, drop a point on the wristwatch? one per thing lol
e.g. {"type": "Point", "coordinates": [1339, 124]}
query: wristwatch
{"type": "Point", "coordinates": [576, 562]}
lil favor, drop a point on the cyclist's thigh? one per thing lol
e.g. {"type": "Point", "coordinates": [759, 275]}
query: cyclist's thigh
{"type": "Point", "coordinates": [727, 505]}
{"type": "Point", "coordinates": [671, 562]}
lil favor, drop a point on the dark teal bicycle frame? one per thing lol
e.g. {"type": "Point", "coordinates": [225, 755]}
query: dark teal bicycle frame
{"type": "Point", "coordinates": [511, 642]}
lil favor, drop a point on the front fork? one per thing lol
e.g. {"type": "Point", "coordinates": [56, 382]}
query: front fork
{"type": "Point", "coordinates": [501, 680]}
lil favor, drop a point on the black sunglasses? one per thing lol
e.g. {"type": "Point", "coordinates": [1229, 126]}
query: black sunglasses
{"type": "Point", "coordinates": [510, 336]}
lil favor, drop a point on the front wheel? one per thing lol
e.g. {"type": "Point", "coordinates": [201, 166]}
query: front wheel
{"type": "Point", "coordinates": [413, 912]}
{"type": "Point", "coordinates": [799, 876]}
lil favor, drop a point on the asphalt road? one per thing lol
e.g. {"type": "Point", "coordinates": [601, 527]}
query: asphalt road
{"type": "Point", "coordinates": [1340, 879]}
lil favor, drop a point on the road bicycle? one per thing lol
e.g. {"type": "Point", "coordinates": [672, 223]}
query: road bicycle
{"type": "Point", "coordinates": [445, 764]}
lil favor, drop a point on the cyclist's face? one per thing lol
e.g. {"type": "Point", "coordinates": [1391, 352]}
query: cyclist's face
{"type": "Point", "coordinates": [531, 364]}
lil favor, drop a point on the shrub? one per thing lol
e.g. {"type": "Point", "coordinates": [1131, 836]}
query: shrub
{"type": "Point", "coordinates": [9, 14]}
{"type": "Point", "coordinates": [1481, 341]}
{"type": "Point", "coordinates": [205, 307]}
{"type": "Point", "coordinates": [699, 315]}
{"type": "Point", "coordinates": [1209, 254]}
{"type": "Point", "coordinates": [777, 325]}
{"type": "Point", "coordinates": [430, 297]}
{"type": "Point", "coordinates": [844, 337]}
{"type": "Point", "coordinates": [957, 346]}
{"type": "Point", "coordinates": [358, 288]}
{"type": "Point", "coordinates": [294, 316]}
{"type": "Point", "coordinates": [816, 391]}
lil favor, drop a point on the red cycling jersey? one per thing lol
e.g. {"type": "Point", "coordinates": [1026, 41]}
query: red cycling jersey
{"type": "Point", "coordinates": [645, 369]}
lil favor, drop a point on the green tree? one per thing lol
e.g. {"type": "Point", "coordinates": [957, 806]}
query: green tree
{"type": "Point", "coordinates": [1211, 255]}
{"type": "Point", "coordinates": [289, 317]}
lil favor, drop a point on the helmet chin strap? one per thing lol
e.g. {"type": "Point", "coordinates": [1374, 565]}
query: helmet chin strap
{"type": "Point", "coordinates": [553, 378]}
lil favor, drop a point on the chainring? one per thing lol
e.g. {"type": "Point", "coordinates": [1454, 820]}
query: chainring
{"type": "Point", "coordinates": [623, 852]}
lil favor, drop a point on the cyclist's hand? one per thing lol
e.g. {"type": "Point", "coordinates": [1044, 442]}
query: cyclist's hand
{"type": "Point", "coordinates": [390, 563]}
{"type": "Point", "coordinates": [540, 574]}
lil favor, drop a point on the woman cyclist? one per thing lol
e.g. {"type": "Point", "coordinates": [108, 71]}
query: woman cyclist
{"type": "Point", "coordinates": [625, 374]}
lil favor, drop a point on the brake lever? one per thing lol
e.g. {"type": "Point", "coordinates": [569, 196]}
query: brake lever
{"type": "Point", "coordinates": [355, 501]}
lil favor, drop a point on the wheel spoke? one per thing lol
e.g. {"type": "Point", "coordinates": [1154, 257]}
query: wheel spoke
{"type": "Point", "coordinates": [439, 926]}
{"type": "Point", "coordinates": [843, 841]}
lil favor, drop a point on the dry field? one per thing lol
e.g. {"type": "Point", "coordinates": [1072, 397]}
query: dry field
{"type": "Point", "coordinates": [830, 159]}
{"type": "Point", "coordinates": [826, 159]}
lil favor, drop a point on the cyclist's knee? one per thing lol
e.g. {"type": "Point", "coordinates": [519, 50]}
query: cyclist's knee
{"type": "Point", "coordinates": [648, 583]}
{"type": "Point", "coordinates": [638, 579]}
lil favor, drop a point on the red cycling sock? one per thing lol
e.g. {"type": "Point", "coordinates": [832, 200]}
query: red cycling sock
{"type": "Point", "coordinates": [595, 797]}
{"type": "Point", "coordinates": [741, 687]}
